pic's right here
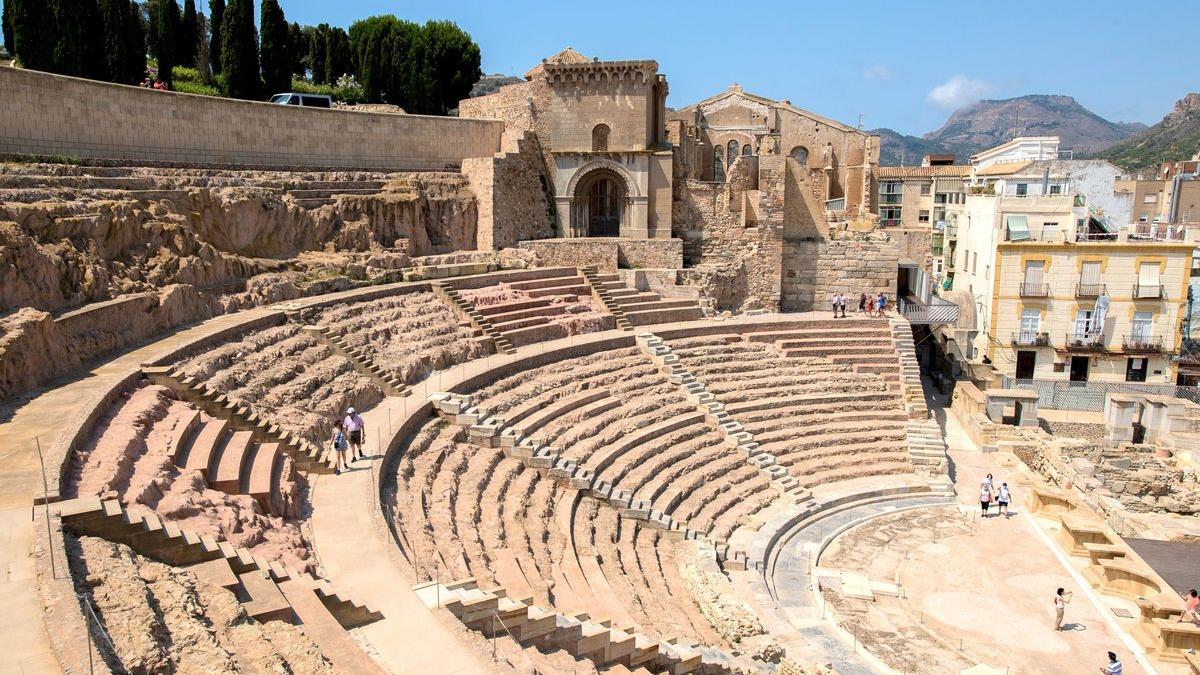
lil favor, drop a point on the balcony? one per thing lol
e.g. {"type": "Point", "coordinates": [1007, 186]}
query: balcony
{"type": "Point", "coordinates": [1142, 343]}
{"type": "Point", "coordinates": [1041, 290]}
{"type": "Point", "coordinates": [888, 198]}
{"type": "Point", "coordinates": [889, 222]}
{"type": "Point", "coordinates": [1090, 290]}
{"type": "Point", "coordinates": [938, 311]}
{"type": "Point", "coordinates": [1030, 339]}
{"type": "Point", "coordinates": [1085, 342]}
{"type": "Point", "coordinates": [1148, 292]}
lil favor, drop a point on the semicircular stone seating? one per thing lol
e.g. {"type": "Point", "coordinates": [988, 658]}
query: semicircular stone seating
{"type": "Point", "coordinates": [285, 375]}
{"type": "Point", "coordinates": [407, 336]}
{"type": "Point", "coordinates": [825, 421]}
{"type": "Point", "coordinates": [462, 509]}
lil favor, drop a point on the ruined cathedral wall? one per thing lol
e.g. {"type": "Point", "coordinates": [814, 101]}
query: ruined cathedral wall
{"type": "Point", "coordinates": [815, 270]}
{"type": "Point", "coordinates": [511, 191]}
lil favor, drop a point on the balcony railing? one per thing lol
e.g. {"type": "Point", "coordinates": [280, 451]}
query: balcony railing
{"type": "Point", "coordinates": [1142, 342]}
{"type": "Point", "coordinates": [1028, 339]}
{"type": "Point", "coordinates": [890, 222]}
{"type": "Point", "coordinates": [1085, 342]}
{"type": "Point", "coordinates": [1089, 290]}
{"type": "Point", "coordinates": [1147, 292]}
{"type": "Point", "coordinates": [938, 311]}
{"type": "Point", "coordinates": [1041, 290]}
{"type": "Point", "coordinates": [890, 198]}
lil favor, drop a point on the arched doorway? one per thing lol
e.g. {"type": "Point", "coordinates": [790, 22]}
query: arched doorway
{"type": "Point", "coordinates": [600, 198]}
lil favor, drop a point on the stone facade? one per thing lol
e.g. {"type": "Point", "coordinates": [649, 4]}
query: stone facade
{"type": "Point", "coordinates": [511, 192]}
{"type": "Point", "coordinates": [91, 119]}
{"type": "Point", "coordinates": [818, 269]}
{"type": "Point", "coordinates": [608, 253]}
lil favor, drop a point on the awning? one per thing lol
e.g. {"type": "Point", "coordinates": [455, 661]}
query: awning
{"type": "Point", "coordinates": [1018, 228]}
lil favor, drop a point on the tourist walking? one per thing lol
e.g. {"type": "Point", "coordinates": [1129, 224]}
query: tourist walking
{"type": "Point", "coordinates": [340, 444]}
{"type": "Point", "coordinates": [836, 303]}
{"type": "Point", "coordinates": [862, 303]}
{"type": "Point", "coordinates": [842, 303]}
{"type": "Point", "coordinates": [1113, 667]}
{"type": "Point", "coordinates": [355, 428]}
{"type": "Point", "coordinates": [1061, 600]}
{"type": "Point", "coordinates": [987, 480]}
{"type": "Point", "coordinates": [881, 304]}
{"type": "Point", "coordinates": [1191, 607]}
{"type": "Point", "coordinates": [985, 497]}
{"type": "Point", "coordinates": [1002, 499]}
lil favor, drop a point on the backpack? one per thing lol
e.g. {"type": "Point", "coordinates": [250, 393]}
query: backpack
{"type": "Point", "coordinates": [339, 440]}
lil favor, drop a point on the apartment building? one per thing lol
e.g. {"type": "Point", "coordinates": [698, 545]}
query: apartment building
{"type": "Point", "coordinates": [923, 201]}
{"type": "Point", "coordinates": [1170, 197]}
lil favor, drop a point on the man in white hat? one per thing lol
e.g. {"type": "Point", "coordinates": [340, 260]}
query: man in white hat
{"type": "Point", "coordinates": [355, 429]}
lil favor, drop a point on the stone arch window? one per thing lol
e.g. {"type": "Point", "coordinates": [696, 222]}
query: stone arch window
{"type": "Point", "coordinates": [718, 164]}
{"type": "Point", "coordinates": [733, 151]}
{"type": "Point", "coordinates": [800, 154]}
{"type": "Point", "coordinates": [600, 138]}
{"type": "Point", "coordinates": [747, 150]}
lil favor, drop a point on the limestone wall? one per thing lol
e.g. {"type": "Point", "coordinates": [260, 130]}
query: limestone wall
{"type": "Point", "coordinates": [55, 115]}
{"type": "Point", "coordinates": [815, 270]}
{"type": "Point", "coordinates": [608, 253]}
{"type": "Point", "coordinates": [511, 189]}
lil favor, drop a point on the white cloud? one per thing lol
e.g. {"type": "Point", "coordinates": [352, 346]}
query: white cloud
{"type": "Point", "coordinates": [877, 72]}
{"type": "Point", "coordinates": [958, 91]}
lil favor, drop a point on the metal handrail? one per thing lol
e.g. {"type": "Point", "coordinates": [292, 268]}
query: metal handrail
{"type": "Point", "coordinates": [1083, 290]}
{"type": "Point", "coordinates": [1034, 290]}
{"type": "Point", "coordinates": [1151, 292]}
{"type": "Point", "coordinates": [1091, 341]}
{"type": "Point", "coordinates": [1031, 339]}
{"type": "Point", "coordinates": [1142, 342]}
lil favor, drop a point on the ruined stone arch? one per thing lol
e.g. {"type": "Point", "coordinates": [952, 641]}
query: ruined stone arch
{"type": "Point", "coordinates": [734, 149]}
{"type": "Point", "coordinates": [718, 164]}
{"type": "Point", "coordinates": [800, 154]}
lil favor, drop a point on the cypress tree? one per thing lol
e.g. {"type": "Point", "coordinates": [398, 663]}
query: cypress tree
{"type": "Point", "coordinates": [124, 43]}
{"type": "Point", "coordinates": [337, 55]}
{"type": "Point", "coordinates": [33, 31]}
{"type": "Point", "coordinates": [185, 52]}
{"type": "Point", "coordinates": [449, 66]}
{"type": "Point", "coordinates": [239, 50]}
{"type": "Point", "coordinates": [297, 49]}
{"type": "Point", "coordinates": [274, 48]}
{"type": "Point", "coordinates": [216, 14]}
{"type": "Point", "coordinates": [6, 21]}
{"type": "Point", "coordinates": [316, 53]}
{"type": "Point", "coordinates": [164, 36]}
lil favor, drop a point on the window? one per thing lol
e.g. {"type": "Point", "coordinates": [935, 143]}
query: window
{"type": "Point", "coordinates": [800, 154]}
{"type": "Point", "coordinates": [1035, 274]}
{"type": "Point", "coordinates": [1083, 324]}
{"type": "Point", "coordinates": [923, 216]}
{"type": "Point", "coordinates": [889, 216]}
{"type": "Point", "coordinates": [1056, 189]}
{"type": "Point", "coordinates": [1018, 228]}
{"type": "Point", "coordinates": [718, 165]}
{"type": "Point", "coordinates": [1139, 329]}
{"type": "Point", "coordinates": [747, 150]}
{"type": "Point", "coordinates": [600, 138]}
{"type": "Point", "coordinates": [733, 152]}
{"type": "Point", "coordinates": [1022, 189]}
{"type": "Point", "coordinates": [1031, 322]}
{"type": "Point", "coordinates": [1147, 286]}
{"type": "Point", "coordinates": [1149, 198]}
{"type": "Point", "coordinates": [925, 189]}
{"type": "Point", "coordinates": [1142, 218]}
{"type": "Point", "coordinates": [1049, 231]}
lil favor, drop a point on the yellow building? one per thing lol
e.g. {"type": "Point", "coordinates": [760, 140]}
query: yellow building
{"type": "Point", "coordinates": [1080, 309]}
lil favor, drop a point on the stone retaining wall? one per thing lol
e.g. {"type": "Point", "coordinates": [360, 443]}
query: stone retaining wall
{"type": "Point", "coordinates": [46, 114]}
{"type": "Point", "coordinates": [608, 253]}
{"type": "Point", "coordinates": [815, 270]}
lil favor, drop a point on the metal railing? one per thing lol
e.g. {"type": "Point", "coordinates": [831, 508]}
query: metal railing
{"type": "Point", "coordinates": [1062, 395]}
{"type": "Point", "coordinates": [1093, 342]}
{"type": "Point", "coordinates": [1142, 342]}
{"type": "Point", "coordinates": [1148, 292]}
{"type": "Point", "coordinates": [1029, 339]}
{"type": "Point", "coordinates": [1089, 290]}
{"type": "Point", "coordinates": [938, 311]}
{"type": "Point", "coordinates": [1040, 290]}
{"type": "Point", "coordinates": [890, 222]}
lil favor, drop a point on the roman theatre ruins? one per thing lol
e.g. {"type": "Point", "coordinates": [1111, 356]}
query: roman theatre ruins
{"type": "Point", "coordinates": [610, 425]}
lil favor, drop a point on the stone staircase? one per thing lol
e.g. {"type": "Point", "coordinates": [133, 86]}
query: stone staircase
{"type": "Point", "coordinates": [714, 412]}
{"type": "Point", "coordinates": [308, 456]}
{"type": "Point", "coordinates": [491, 431]}
{"type": "Point", "coordinates": [212, 558]}
{"type": "Point", "coordinates": [926, 447]}
{"type": "Point", "coordinates": [389, 383]}
{"type": "Point", "coordinates": [644, 308]}
{"type": "Point", "coordinates": [910, 370]}
{"type": "Point", "coordinates": [492, 612]}
{"type": "Point", "coordinates": [452, 297]}
{"type": "Point", "coordinates": [604, 295]}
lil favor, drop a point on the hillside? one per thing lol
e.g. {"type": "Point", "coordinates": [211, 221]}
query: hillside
{"type": "Point", "coordinates": [989, 123]}
{"type": "Point", "coordinates": [1176, 137]}
{"type": "Point", "coordinates": [490, 84]}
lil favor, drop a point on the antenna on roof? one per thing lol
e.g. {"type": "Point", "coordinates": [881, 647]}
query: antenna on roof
{"type": "Point", "coordinates": [860, 119]}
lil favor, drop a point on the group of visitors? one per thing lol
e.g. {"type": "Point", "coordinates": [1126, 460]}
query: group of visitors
{"type": "Point", "coordinates": [988, 493]}
{"type": "Point", "coordinates": [867, 305]}
{"type": "Point", "coordinates": [347, 439]}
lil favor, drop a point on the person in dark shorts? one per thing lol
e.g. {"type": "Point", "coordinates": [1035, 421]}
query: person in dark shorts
{"type": "Point", "coordinates": [1002, 499]}
{"type": "Point", "coordinates": [340, 445]}
{"type": "Point", "coordinates": [985, 498]}
{"type": "Point", "coordinates": [355, 429]}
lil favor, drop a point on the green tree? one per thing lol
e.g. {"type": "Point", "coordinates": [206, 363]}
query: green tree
{"type": "Point", "coordinates": [216, 14]}
{"type": "Point", "coordinates": [33, 30]}
{"type": "Point", "coordinates": [297, 49]}
{"type": "Point", "coordinates": [6, 21]}
{"type": "Point", "coordinates": [448, 67]}
{"type": "Point", "coordinates": [337, 55]}
{"type": "Point", "coordinates": [185, 53]}
{"type": "Point", "coordinates": [382, 48]}
{"type": "Point", "coordinates": [316, 52]}
{"type": "Point", "coordinates": [163, 36]}
{"type": "Point", "coordinates": [78, 45]}
{"type": "Point", "coordinates": [124, 41]}
{"type": "Point", "coordinates": [274, 48]}
{"type": "Point", "coordinates": [239, 50]}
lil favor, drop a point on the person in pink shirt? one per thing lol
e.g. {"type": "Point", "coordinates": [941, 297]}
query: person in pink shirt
{"type": "Point", "coordinates": [1191, 603]}
{"type": "Point", "coordinates": [355, 429]}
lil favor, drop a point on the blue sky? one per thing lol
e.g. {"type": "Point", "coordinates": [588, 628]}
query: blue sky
{"type": "Point", "coordinates": [901, 64]}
